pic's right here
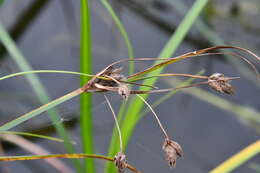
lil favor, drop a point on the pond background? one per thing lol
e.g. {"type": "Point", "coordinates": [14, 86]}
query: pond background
{"type": "Point", "coordinates": [207, 134]}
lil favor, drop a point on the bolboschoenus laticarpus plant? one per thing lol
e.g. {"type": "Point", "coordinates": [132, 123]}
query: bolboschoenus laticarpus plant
{"type": "Point", "coordinates": [112, 79]}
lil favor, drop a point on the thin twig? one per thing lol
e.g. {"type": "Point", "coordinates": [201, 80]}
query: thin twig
{"type": "Point", "coordinates": [156, 117]}
{"type": "Point", "coordinates": [117, 124]}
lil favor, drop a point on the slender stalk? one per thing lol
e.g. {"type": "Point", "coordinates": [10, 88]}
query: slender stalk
{"type": "Point", "coordinates": [171, 75]}
{"type": "Point", "coordinates": [116, 122]}
{"type": "Point", "coordinates": [64, 156]}
{"type": "Point", "coordinates": [43, 71]}
{"type": "Point", "coordinates": [170, 94]}
{"type": "Point", "coordinates": [123, 32]}
{"type": "Point", "coordinates": [156, 117]}
{"type": "Point", "coordinates": [85, 98]}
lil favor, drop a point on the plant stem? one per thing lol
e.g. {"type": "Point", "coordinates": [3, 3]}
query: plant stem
{"type": "Point", "coordinates": [156, 117]}
{"type": "Point", "coordinates": [116, 122]}
{"type": "Point", "coordinates": [123, 32]}
{"type": "Point", "coordinates": [85, 98]}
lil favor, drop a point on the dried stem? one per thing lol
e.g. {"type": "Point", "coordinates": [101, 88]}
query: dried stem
{"type": "Point", "coordinates": [117, 124]}
{"type": "Point", "coordinates": [177, 88]}
{"type": "Point", "coordinates": [36, 149]}
{"type": "Point", "coordinates": [65, 156]}
{"type": "Point", "coordinates": [198, 53]}
{"type": "Point", "coordinates": [172, 74]}
{"type": "Point", "coordinates": [133, 83]}
{"type": "Point", "coordinates": [156, 117]}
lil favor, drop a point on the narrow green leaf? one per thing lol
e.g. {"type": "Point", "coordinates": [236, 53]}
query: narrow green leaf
{"type": "Point", "coordinates": [32, 135]}
{"type": "Point", "coordinates": [85, 99]}
{"type": "Point", "coordinates": [123, 32]}
{"type": "Point", "coordinates": [43, 71]}
{"type": "Point", "coordinates": [40, 110]}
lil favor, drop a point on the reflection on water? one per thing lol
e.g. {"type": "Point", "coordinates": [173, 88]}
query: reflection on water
{"type": "Point", "coordinates": [47, 32]}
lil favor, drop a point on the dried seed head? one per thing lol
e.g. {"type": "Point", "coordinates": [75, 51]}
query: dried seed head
{"type": "Point", "coordinates": [114, 73]}
{"type": "Point", "coordinates": [120, 162]}
{"type": "Point", "coordinates": [220, 83]}
{"type": "Point", "coordinates": [124, 91]}
{"type": "Point", "coordinates": [172, 149]}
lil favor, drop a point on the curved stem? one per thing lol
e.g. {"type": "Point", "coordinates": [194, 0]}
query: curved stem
{"type": "Point", "coordinates": [117, 125]}
{"type": "Point", "coordinates": [43, 71]}
{"type": "Point", "coordinates": [156, 117]}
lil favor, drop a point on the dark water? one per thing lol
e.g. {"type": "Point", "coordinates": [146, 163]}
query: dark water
{"type": "Point", "coordinates": [51, 41]}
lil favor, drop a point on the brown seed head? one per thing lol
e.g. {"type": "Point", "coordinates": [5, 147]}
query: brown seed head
{"type": "Point", "coordinates": [114, 73]}
{"type": "Point", "coordinates": [117, 74]}
{"type": "Point", "coordinates": [220, 83]}
{"type": "Point", "coordinates": [172, 149]}
{"type": "Point", "coordinates": [120, 162]}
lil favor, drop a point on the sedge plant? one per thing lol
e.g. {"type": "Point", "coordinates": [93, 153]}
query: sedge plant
{"type": "Point", "coordinates": [111, 79]}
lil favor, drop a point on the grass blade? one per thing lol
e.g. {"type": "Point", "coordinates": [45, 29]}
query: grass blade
{"type": "Point", "coordinates": [85, 98]}
{"type": "Point", "coordinates": [135, 106]}
{"type": "Point", "coordinates": [32, 135]}
{"type": "Point", "coordinates": [40, 110]}
{"type": "Point", "coordinates": [123, 32]}
{"type": "Point", "coordinates": [37, 87]}
{"type": "Point", "coordinates": [43, 71]}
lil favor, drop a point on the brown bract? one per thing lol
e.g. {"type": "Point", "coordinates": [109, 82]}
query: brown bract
{"type": "Point", "coordinates": [120, 162]}
{"type": "Point", "coordinates": [124, 91]}
{"type": "Point", "coordinates": [220, 83]}
{"type": "Point", "coordinates": [172, 150]}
